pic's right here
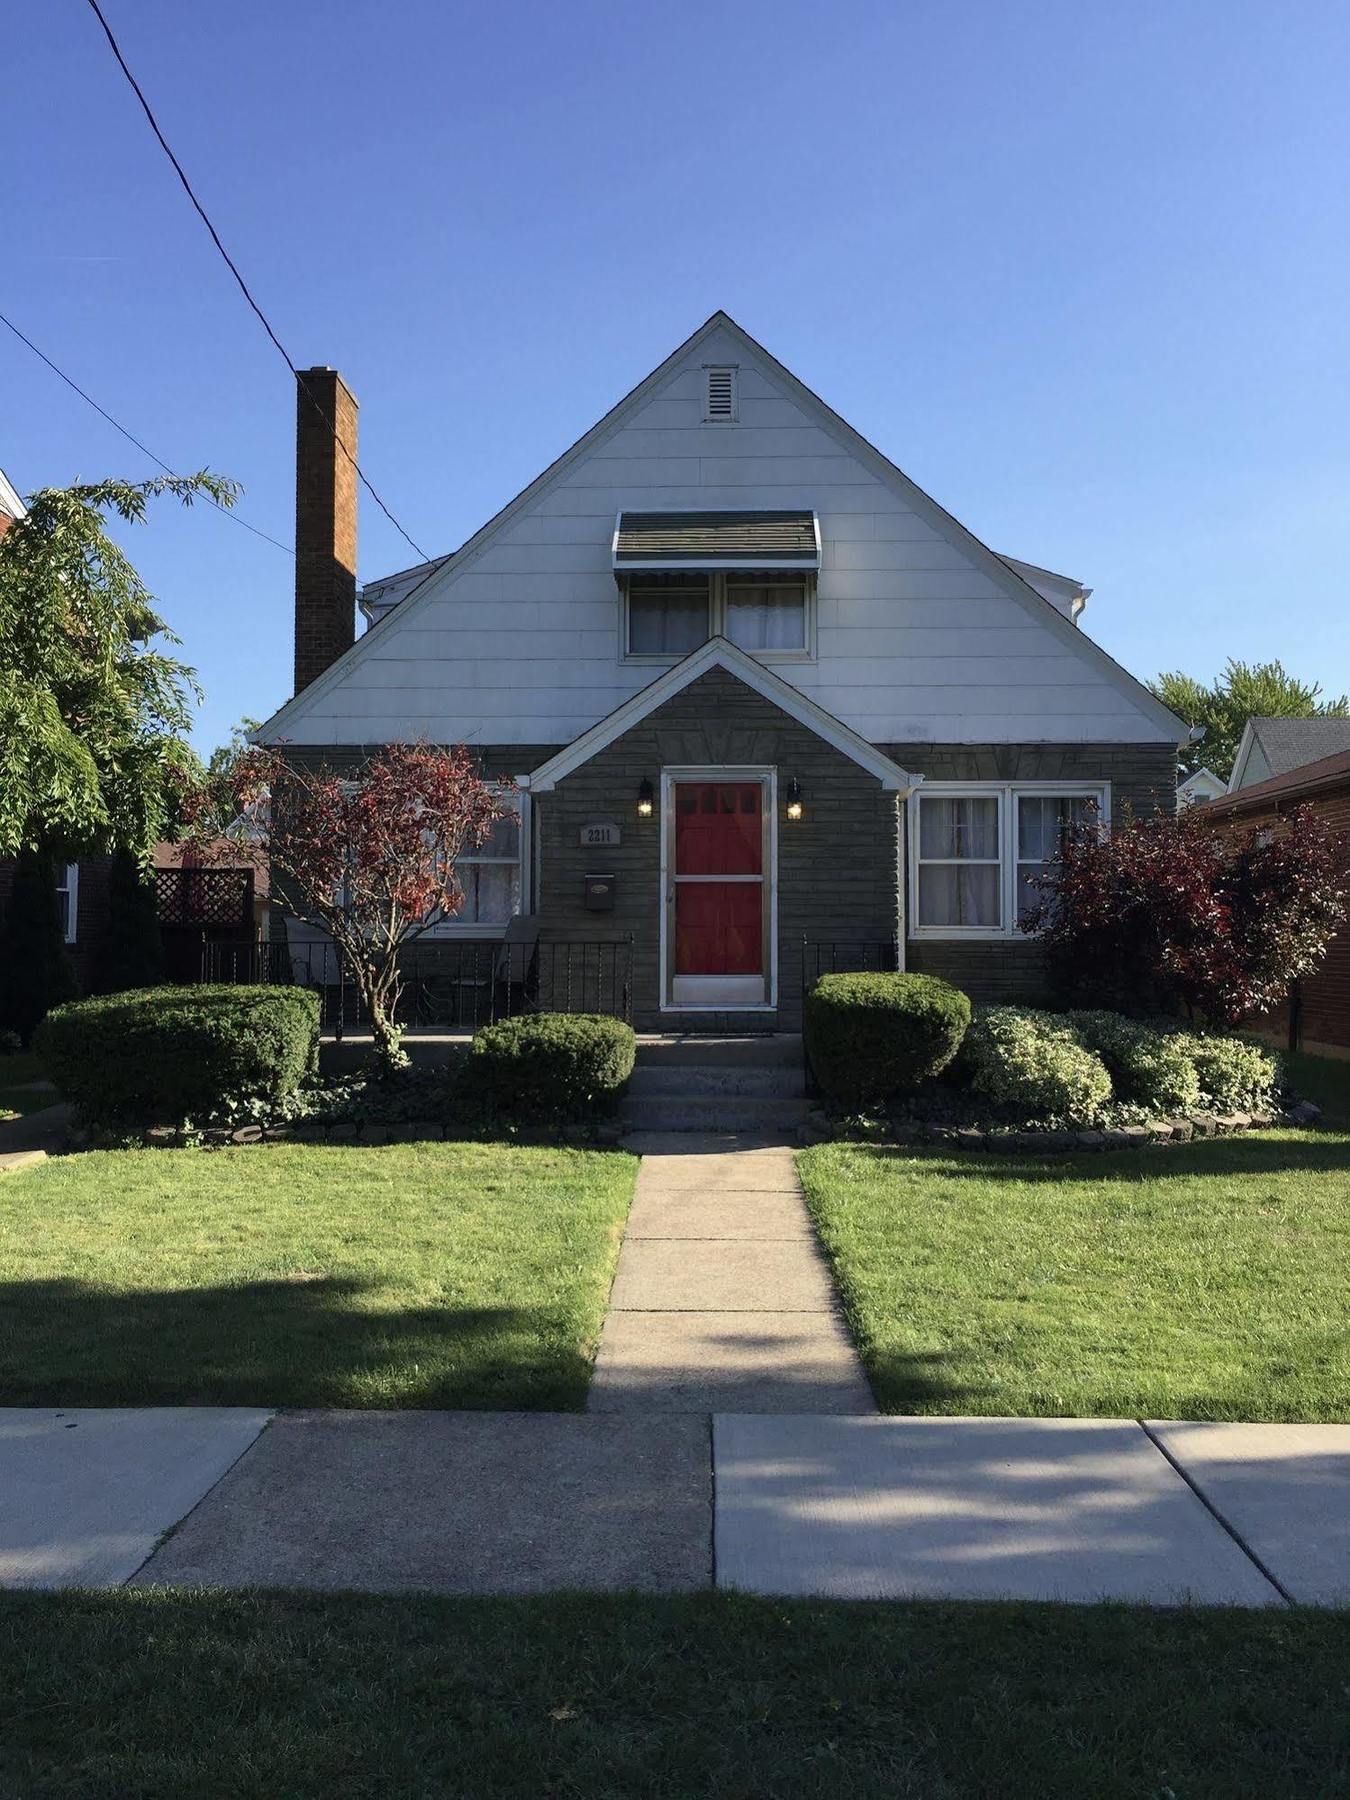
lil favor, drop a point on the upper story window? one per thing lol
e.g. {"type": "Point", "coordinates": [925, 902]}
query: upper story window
{"type": "Point", "coordinates": [668, 615]}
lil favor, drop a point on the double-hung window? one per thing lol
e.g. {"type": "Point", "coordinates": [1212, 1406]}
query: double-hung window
{"type": "Point", "coordinates": [975, 847]}
{"type": "Point", "coordinates": [668, 614]}
{"type": "Point", "coordinates": [489, 877]}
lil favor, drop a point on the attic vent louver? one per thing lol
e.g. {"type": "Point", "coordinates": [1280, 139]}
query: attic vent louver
{"type": "Point", "coordinates": [721, 397]}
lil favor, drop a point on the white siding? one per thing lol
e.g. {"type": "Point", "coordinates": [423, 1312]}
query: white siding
{"type": "Point", "coordinates": [915, 641]}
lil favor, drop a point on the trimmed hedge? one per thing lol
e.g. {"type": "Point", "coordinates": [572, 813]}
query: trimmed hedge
{"type": "Point", "coordinates": [873, 1036]}
{"type": "Point", "coordinates": [1034, 1061]}
{"type": "Point", "coordinates": [549, 1066]}
{"type": "Point", "coordinates": [1233, 1074]}
{"type": "Point", "coordinates": [1152, 1067]}
{"type": "Point", "coordinates": [163, 1056]}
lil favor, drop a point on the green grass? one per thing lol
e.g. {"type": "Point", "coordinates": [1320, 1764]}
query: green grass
{"type": "Point", "coordinates": [1204, 1282]}
{"type": "Point", "coordinates": [438, 1274]}
{"type": "Point", "coordinates": [17, 1096]}
{"type": "Point", "coordinates": [158, 1695]}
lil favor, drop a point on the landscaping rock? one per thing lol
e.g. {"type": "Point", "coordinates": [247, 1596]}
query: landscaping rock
{"type": "Point", "coordinates": [1262, 1121]}
{"type": "Point", "coordinates": [1127, 1137]}
{"type": "Point", "coordinates": [1090, 1140]}
{"type": "Point", "coordinates": [1161, 1132]}
{"type": "Point", "coordinates": [1202, 1124]}
{"type": "Point", "coordinates": [970, 1139]}
{"type": "Point", "coordinates": [1305, 1113]}
{"type": "Point", "coordinates": [311, 1131]}
{"type": "Point", "coordinates": [1182, 1131]}
{"type": "Point", "coordinates": [247, 1134]}
{"type": "Point", "coordinates": [278, 1134]}
{"type": "Point", "coordinates": [162, 1137]}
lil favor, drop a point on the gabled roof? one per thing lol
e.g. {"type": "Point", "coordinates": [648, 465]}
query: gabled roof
{"type": "Point", "coordinates": [10, 503]}
{"type": "Point", "coordinates": [1287, 744]}
{"type": "Point", "coordinates": [719, 653]}
{"type": "Point", "coordinates": [1295, 784]}
{"type": "Point", "coordinates": [997, 568]}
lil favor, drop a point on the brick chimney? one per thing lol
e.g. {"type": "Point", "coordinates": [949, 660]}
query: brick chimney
{"type": "Point", "coordinates": [325, 522]}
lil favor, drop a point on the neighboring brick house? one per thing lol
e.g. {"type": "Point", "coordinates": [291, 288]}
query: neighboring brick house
{"type": "Point", "coordinates": [1317, 1016]}
{"type": "Point", "coordinates": [754, 687]}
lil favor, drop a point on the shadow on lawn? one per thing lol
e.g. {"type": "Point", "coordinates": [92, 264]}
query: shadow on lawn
{"type": "Point", "coordinates": [303, 1340]}
{"type": "Point", "coordinates": [1312, 1153]}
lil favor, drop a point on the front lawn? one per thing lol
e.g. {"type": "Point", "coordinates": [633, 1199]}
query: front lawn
{"type": "Point", "coordinates": [437, 1274]}
{"type": "Point", "coordinates": [712, 1697]}
{"type": "Point", "coordinates": [1203, 1282]}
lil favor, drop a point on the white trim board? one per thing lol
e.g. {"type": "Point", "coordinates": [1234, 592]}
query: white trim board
{"type": "Point", "coordinates": [1170, 728]}
{"type": "Point", "coordinates": [718, 653]}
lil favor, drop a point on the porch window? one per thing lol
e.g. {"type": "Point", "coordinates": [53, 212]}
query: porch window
{"type": "Point", "coordinates": [959, 862]}
{"type": "Point", "coordinates": [974, 848]}
{"type": "Point", "coordinates": [489, 876]}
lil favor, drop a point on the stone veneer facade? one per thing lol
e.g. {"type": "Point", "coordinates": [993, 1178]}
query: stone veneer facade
{"type": "Point", "coordinates": [839, 867]}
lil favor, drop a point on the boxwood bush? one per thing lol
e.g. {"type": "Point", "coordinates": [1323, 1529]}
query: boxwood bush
{"type": "Point", "coordinates": [163, 1056]}
{"type": "Point", "coordinates": [872, 1036]}
{"type": "Point", "coordinates": [1036, 1062]}
{"type": "Point", "coordinates": [1151, 1066]}
{"type": "Point", "coordinates": [1233, 1075]}
{"type": "Point", "coordinates": [550, 1066]}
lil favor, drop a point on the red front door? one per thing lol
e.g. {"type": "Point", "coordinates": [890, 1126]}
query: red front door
{"type": "Point", "coordinates": [719, 880]}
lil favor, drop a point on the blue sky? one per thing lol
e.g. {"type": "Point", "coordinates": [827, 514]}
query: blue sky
{"type": "Point", "coordinates": [1082, 270]}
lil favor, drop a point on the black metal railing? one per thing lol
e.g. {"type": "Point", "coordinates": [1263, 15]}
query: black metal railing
{"type": "Point", "coordinates": [447, 985]}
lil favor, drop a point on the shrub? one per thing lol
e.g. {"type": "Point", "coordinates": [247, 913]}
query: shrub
{"type": "Point", "coordinates": [174, 1054]}
{"type": "Point", "coordinates": [547, 1066]}
{"type": "Point", "coordinates": [1233, 1074]}
{"type": "Point", "coordinates": [872, 1036]}
{"type": "Point", "coordinates": [1150, 1065]}
{"type": "Point", "coordinates": [1036, 1062]}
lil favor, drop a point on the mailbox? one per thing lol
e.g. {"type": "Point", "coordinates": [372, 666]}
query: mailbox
{"type": "Point", "coordinates": [599, 892]}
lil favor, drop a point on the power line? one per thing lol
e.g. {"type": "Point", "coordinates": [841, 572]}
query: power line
{"type": "Point", "coordinates": [243, 285]}
{"type": "Point", "coordinates": [145, 450]}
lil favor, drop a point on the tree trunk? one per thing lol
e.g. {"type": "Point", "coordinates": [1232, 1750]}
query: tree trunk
{"type": "Point", "coordinates": [379, 990]}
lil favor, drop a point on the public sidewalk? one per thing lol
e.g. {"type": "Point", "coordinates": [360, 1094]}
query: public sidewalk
{"type": "Point", "coordinates": [1056, 1509]}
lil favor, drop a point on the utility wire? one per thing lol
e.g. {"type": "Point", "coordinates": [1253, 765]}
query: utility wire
{"type": "Point", "coordinates": [243, 285]}
{"type": "Point", "coordinates": [145, 450]}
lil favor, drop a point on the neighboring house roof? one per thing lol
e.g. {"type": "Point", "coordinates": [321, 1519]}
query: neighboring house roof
{"type": "Point", "coordinates": [429, 578]}
{"type": "Point", "coordinates": [11, 506]}
{"type": "Point", "coordinates": [1202, 784]}
{"type": "Point", "coordinates": [1271, 747]}
{"type": "Point", "coordinates": [718, 653]}
{"type": "Point", "coordinates": [1309, 779]}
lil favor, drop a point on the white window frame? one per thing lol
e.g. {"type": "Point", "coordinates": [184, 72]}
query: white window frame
{"type": "Point", "coordinates": [71, 888]}
{"type": "Point", "coordinates": [458, 927]}
{"type": "Point", "coordinates": [717, 612]}
{"type": "Point", "coordinates": [1007, 794]}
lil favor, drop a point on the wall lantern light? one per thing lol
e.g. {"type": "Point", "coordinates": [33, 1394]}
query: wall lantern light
{"type": "Point", "coordinates": [646, 799]}
{"type": "Point", "coordinates": [794, 799]}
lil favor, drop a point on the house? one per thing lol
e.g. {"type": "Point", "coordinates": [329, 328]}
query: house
{"type": "Point", "coordinates": [1317, 1014]}
{"type": "Point", "coordinates": [1272, 747]}
{"type": "Point", "coordinates": [766, 705]}
{"type": "Point", "coordinates": [1202, 784]}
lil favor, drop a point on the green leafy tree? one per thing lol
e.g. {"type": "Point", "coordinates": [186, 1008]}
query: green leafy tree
{"type": "Point", "coordinates": [92, 713]}
{"type": "Point", "coordinates": [131, 953]}
{"type": "Point", "coordinates": [1243, 691]}
{"type": "Point", "coordinates": [36, 972]}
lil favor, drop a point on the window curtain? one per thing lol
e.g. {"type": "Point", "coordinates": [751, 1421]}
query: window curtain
{"type": "Point", "coordinates": [1042, 822]}
{"type": "Point", "coordinates": [668, 621]}
{"type": "Point", "coordinates": [766, 618]}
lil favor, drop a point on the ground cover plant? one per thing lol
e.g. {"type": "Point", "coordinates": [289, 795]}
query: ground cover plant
{"type": "Point", "coordinates": [1207, 1281]}
{"type": "Point", "coordinates": [437, 1274]}
{"type": "Point", "coordinates": [161, 1694]}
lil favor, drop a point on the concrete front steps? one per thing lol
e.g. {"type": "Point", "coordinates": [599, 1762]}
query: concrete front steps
{"type": "Point", "coordinates": [718, 1084]}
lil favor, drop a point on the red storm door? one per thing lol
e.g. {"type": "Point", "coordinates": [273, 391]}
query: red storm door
{"type": "Point", "coordinates": [719, 879]}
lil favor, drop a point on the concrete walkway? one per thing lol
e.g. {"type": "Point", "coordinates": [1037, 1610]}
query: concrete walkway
{"type": "Point", "coordinates": [722, 1301]}
{"type": "Point", "coordinates": [813, 1504]}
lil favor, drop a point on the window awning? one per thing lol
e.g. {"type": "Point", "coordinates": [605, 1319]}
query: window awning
{"type": "Point", "coordinates": [716, 540]}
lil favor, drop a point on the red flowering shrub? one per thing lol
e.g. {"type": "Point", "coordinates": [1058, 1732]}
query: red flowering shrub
{"type": "Point", "coordinates": [369, 855]}
{"type": "Point", "coordinates": [1167, 912]}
